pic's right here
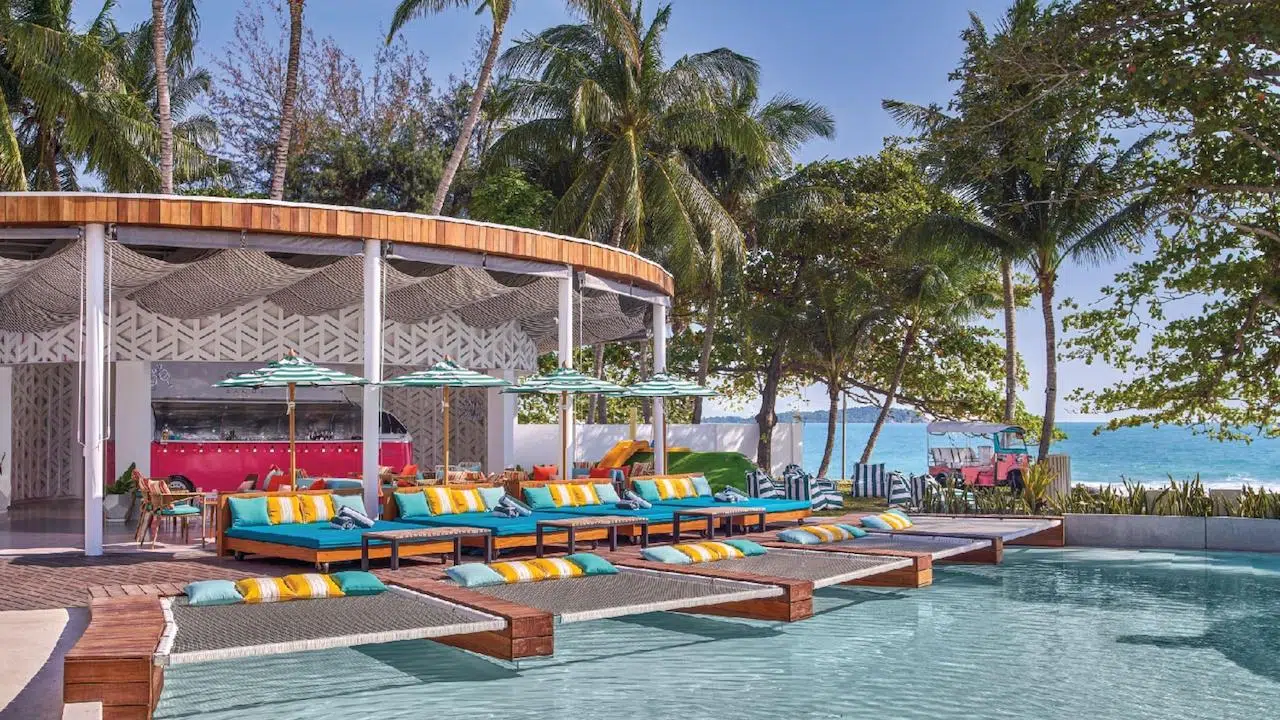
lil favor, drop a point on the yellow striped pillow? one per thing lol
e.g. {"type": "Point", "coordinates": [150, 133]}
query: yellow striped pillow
{"type": "Point", "coordinates": [264, 590]}
{"type": "Point", "coordinates": [468, 500]}
{"type": "Point", "coordinates": [685, 488]}
{"type": "Point", "coordinates": [709, 551]}
{"type": "Point", "coordinates": [561, 494]}
{"type": "Point", "coordinates": [518, 571]}
{"type": "Point", "coordinates": [316, 508]}
{"type": "Point", "coordinates": [894, 521]}
{"type": "Point", "coordinates": [312, 585]}
{"type": "Point", "coordinates": [667, 489]}
{"type": "Point", "coordinates": [583, 494]}
{"type": "Point", "coordinates": [440, 500]}
{"type": "Point", "coordinates": [827, 533]}
{"type": "Point", "coordinates": [284, 509]}
{"type": "Point", "coordinates": [557, 568]}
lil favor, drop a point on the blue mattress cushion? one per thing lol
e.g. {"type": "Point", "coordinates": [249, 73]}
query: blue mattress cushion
{"type": "Point", "coordinates": [502, 526]}
{"type": "Point", "coordinates": [655, 514]}
{"type": "Point", "coordinates": [316, 536]}
{"type": "Point", "coordinates": [772, 505]}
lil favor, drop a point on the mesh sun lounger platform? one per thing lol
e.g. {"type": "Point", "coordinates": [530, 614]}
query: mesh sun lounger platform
{"type": "Point", "coordinates": [920, 552]}
{"type": "Point", "coordinates": [224, 632]}
{"type": "Point", "coordinates": [999, 530]}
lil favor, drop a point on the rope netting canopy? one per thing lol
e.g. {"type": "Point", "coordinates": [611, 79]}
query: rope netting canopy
{"type": "Point", "coordinates": [42, 291]}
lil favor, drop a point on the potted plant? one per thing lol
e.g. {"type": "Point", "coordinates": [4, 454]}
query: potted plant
{"type": "Point", "coordinates": [117, 499]}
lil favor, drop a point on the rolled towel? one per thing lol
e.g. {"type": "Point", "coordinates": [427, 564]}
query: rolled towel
{"type": "Point", "coordinates": [355, 516]}
{"type": "Point", "coordinates": [725, 496]}
{"type": "Point", "coordinates": [736, 494]}
{"type": "Point", "coordinates": [506, 511]}
{"type": "Point", "coordinates": [508, 501]}
{"type": "Point", "coordinates": [644, 504]}
{"type": "Point", "coordinates": [341, 522]}
{"type": "Point", "coordinates": [628, 505]}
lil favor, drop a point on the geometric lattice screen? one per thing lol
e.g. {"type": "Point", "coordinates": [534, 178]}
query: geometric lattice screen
{"type": "Point", "coordinates": [47, 455]}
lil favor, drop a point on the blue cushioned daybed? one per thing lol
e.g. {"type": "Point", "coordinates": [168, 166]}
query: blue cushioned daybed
{"type": "Point", "coordinates": [772, 505]}
{"type": "Point", "coordinates": [317, 535]}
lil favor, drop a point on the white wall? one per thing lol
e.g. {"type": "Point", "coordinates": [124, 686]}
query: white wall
{"type": "Point", "coordinates": [539, 444]}
{"type": "Point", "coordinates": [131, 425]}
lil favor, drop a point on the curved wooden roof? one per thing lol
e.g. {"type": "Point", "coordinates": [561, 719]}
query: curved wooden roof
{"type": "Point", "coordinates": [181, 212]}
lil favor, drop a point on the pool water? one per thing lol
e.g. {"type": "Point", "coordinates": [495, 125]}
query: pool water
{"type": "Point", "coordinates": [1061, 633]}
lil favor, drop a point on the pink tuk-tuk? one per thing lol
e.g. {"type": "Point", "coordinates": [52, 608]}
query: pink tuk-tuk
{"type": "Point", "coordinates": [977, 454]}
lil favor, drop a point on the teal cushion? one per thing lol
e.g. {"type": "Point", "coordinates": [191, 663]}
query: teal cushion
{"type": "Point", "coordinates": [747, 547]}
{"type": "Point", "coordinates": [316, 535]}
{"type": "Point", "coordinates": [647, 489]}
{"type": "Point", "coordinates": [213, 592]}
{"type": "Point", "coordinates": [501, 526]}
{"type": "Point", "coordinates": [492, 496]}
{"type": "Point", "coordinates": [412, 503]}
{"type": "Point", "coordinates": [248, 511]}
{"type": "Point", "coordinates": [854, 530]}
{"type": "Point", "coordinates": [799, 537]}
{"type": "Point", "coordinates": [355, 502]}
{"type": "Point", "coordinates": [474, 575]}
{"type": "Point", "coordinates": [592, 564]}
{"type": "Point", "coordinates": [358, 582]}
{"type": "Point", "coordinates": [702, 486]}
{"type": "Point", "coordinates": [539, 498]}
{"type": "Point", "coordinates": [607, 493]}
{"type": "Point", "coordinates": [183, 509]}
{"type": "Point", "coordinates": [655, 513]}
{"type": "Point", "coordinates": [875, 523]}
{"type": "Point", "coordinates": [665, 554]}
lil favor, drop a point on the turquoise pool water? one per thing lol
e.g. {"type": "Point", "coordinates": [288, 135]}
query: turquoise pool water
{"type": "Point", "coordinates": [1072, 633]}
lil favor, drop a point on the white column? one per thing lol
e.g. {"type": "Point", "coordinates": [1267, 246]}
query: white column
{"type": "Point", "coordinates": [6, 437]}
{"type": "Point", "coordinates": [500, 424]}
{"type": "Point", "coordinates": [131, 424]}
{"type": "Point", "coordinates": [371, 426]}
{"type": "Point", "coordinates": [565, 328]}
{"type": "Point", "coordinates": [659, 366]}
{"type": "Point", "coordinates": [95, 388]}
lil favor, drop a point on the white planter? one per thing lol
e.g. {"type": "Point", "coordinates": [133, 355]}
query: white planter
{"type": "Point", "coordinates": [116, 507]}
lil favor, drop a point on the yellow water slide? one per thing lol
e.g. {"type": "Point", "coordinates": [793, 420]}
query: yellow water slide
{"type": "Point", "coordinates": [621, 453]}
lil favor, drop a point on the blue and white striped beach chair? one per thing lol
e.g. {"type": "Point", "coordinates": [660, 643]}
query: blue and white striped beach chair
{"type": "Point", "coordinates": [869, 480]}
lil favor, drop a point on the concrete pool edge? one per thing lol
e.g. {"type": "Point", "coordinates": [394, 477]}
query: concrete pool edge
{"type": "Point", "coordinates": [1174, 532]}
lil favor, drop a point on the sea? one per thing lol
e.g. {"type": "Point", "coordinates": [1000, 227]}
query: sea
{"type": "Point", "coordinates": [1144, 454]}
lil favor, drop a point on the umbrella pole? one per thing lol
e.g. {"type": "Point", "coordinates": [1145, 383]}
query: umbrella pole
{"type": "Point", "coordinates": [293, 452]}
{"type": "Point", "coordinates": [446, 434]}
{"type": "Point", "coordinates": [564, 439]}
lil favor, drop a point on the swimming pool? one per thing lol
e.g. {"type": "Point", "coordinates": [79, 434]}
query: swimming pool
{"type": "Point", "coordinates": [1051, 633]}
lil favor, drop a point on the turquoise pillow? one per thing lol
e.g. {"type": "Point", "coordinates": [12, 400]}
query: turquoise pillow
{"type": "Point", "coordinates": [248, 511]}
{"type": "Point", "coordinates": [666, 554]}
{"type": "Point", "coordinates": [607, 493]}
{"type": "Point", "coordinates": [875, 523]}
{"type": "Point", "coordinates": [474, 575]}
{"type": "Point", "coordinates": [798, 537]}
{"type": "Point", "coordinates": [539, 498]}
{"type": "Point", "coordinates": [358, 582]}
{"type": "Point", "coordinates": [647, 489]}
{"type": "Point", "coordinates": [355, 502]}
{"type": "Point", "coordinates": [412, 503]}
{"type": "Point", "coordinates": [492, 496]}
{"type": "Point", "coordinates": [702, 486]}
{"type": "Point", "coordinates": [747, 547]}
{"type": "Point", "coordinates": [592, 564]}
{"type": "Point", "coordinates": [213, 592]}
{"type": "Point", "coordinates": [854, 530]}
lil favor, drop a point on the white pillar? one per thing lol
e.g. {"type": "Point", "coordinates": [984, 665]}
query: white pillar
{"type": "Point", "coordinates": [500, 424]}
{"type": "Point", "coordinates": [131, 423]}
{"type": "Point", "coordinates": [659, 410]}
{"type": "Point", "coordinates": [565, 329]}
{"type": "Point", "coordinates": [371, 426]}
{"type": "Point", "coordinates": [95, 389]}
{"type": "Point", "coordinates": [6, 437]}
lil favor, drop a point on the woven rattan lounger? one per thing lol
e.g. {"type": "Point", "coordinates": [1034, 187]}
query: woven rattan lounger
{"type": "Point", "coordinates": [1007, 529]}
{"type": "Point", "coordinates": [937, 546]}
{"type": "Point", "coordinates": [630, 592]}
{"type": "Point", "coordinates": [223, 632]}
{"type": "Point", "coordinates": [821, 569]}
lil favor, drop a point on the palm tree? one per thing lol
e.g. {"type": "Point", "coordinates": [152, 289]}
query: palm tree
{"type": "Point", "coordinates": [290, 97]}
{"type": "Point", "coordinates": [160, 52]}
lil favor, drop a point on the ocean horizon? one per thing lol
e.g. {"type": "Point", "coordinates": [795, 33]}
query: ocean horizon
{"type": "Point", "coordinates": [1144, 454]}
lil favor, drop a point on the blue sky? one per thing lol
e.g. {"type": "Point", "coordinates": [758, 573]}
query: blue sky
{"type": "Point", "coordinates": [845, 54]}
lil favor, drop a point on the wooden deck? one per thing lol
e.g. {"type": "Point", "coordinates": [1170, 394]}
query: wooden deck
{"type": "Point", "coordinates": [112, 662]}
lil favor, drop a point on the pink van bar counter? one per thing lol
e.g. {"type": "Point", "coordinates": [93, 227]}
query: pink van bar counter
{"type": "Point", "coordinates": [223, 465]}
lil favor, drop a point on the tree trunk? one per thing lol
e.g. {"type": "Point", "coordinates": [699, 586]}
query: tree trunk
{"type": "Point", "coordinates": [708, 343]}
{"type": "Point", "coordinates": [1010, 341]}
{"type": "Point", "coordinates": [599, 407]}
{"type": "Point", "coordinates": [646, 404]}
{"type": "Point", "coordinates": [159, 47]}
{"type": "Point", "coordinates": [473, 114]}
{"type": "Point", "coordinates": [833, 409]}
{"type": "Point", "coordinates": [1050, 364]}
{"type": "Point", "coordinates": [908, 343]}
{"type": "Point", "coordinates": [290, 96]}
{"type": "Point", "coordinates": [767, 418]}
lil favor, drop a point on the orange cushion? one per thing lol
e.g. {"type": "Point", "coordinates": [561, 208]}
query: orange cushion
{"type": "Point", "coordinates": [600, 472]}
{"type": "Point", "coordinates": [544, 473]}
{"type": "Point", "coordinates": [319, 485]}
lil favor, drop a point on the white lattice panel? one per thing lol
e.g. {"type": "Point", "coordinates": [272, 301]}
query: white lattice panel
{"type": "Point", "coordinates": [46, 449]}
{"type": "Point", "coordinates": [419, 409]}
{"type": "Point", "coordinates": [261, 331]}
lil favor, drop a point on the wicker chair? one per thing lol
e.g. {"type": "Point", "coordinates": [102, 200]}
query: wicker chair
{"type": "Point", "coordinates": [161, 503]}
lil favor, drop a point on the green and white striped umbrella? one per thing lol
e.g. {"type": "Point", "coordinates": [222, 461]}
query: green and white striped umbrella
{"type": "Point", "coordinates": [446, 374]}
{"type": "Point", "coordinates": [291, 371]}
{"type": "Point", "coordinates": [668, 386]}
{"type": "Point", "coordinates": [565, 382]}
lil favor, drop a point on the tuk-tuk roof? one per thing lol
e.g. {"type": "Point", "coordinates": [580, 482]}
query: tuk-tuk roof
{"type": "Point", "coordinates": [973, 428]}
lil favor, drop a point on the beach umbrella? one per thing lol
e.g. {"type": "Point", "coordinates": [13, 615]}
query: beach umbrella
{"type": "Point", "coordinates": [662, 385]}
{"type": "Point", "coordinates": [292, 372]}
{"type": "Point", "coordinates": [565, 382]}
{"type": "Point", "coordinates": [446, 374]}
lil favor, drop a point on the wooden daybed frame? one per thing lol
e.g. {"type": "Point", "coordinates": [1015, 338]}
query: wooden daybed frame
{"type": "Point", "coordinates": [773, 518]}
